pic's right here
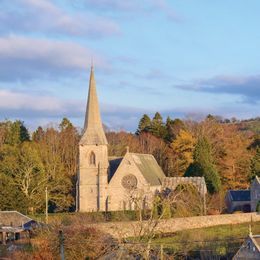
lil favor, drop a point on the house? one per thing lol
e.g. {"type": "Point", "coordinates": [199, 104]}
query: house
{"type": "Point", "coordinates": [255, 193]}
{"type": "Point", "coordinates": [238, 200]}
{"type": "Point", "coordinates": [13, 224]}
{"type": "Point", "coordinates": [250, 249]}
{"type": "Point", "coordinates": [244, 200]}
{"type": "Point", "coordinates": [110, 184]}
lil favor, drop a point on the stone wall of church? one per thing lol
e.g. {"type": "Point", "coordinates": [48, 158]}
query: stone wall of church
{"type": "Point", "coordinates": [92, 197]}
{"type": "Point", "coordinates": [119, 198]}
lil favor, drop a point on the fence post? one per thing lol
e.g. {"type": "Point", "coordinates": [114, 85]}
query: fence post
{"type": "Point", "coordinates": [161, 251]}
{"type": "Point", "coordinates": [61, 240]}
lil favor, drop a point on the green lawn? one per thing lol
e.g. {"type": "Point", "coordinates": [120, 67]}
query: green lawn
{"type": "Point", "coordinates": [220, 240]}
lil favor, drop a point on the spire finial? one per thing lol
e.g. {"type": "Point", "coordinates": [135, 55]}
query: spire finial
{"type": "Point", "coordinates": [92, 64]}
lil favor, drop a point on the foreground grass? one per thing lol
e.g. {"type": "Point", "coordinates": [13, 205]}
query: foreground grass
{"type": "Point", "coordinates": [238, 231]}
{"type": "Point", "coordinates": [221, 241]}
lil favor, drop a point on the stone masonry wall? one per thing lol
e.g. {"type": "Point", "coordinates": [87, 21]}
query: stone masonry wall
{"type": "Point", "coordinates": [129, 229]}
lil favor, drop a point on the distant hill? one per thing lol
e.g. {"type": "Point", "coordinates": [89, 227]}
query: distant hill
{"type": "Point", "coordinates": [251, 124]}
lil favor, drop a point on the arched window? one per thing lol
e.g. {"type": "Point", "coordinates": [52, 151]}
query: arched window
{"type": "Point", "coordinates": [92, 158]}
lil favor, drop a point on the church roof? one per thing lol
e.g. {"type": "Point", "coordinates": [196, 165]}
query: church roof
{"type": "Point", "coordinates": [149, 167]}
{"type": "Point", "coordinates": [93, 129]}
{"type": "Point", "coordinates": [113, 165]}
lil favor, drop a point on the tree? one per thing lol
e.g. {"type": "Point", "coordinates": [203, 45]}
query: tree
{"type": "Point", "coordinates": [255, 164]}
{"type": "Point", "coordinates": [144, 124]}
{"type": "Point", "coordinates": [173, 128]}
{"type": "Point", "coordinates": [233, 158]}
{"type": "Point", "coordinates": [15, 132]}
{"type": "Point", "coordinates": [65, 124]}
{"type": "Point", "coordinates": [203, 165]}
{"type": "Point", "coordinates": [157, 126]}
{"type": "Point", "coordinates": [183, 146]}
{"type": "Point", "coordinates": [23, 167]}
{"type": "Point", "coordinates": [38, 134]}
{"type": "Point", "coordinates": [68, 146]}
{"type": "Point", "coordinates": [10, 196]}
{"type": "Point", "coordinates": [58, 175]}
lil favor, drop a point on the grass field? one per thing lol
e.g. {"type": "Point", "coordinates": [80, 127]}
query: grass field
{"type": "Point", "coordinates": [222, 241]}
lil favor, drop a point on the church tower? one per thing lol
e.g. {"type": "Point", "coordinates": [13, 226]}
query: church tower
{"type": "Point", "coordinates": [93, 157]}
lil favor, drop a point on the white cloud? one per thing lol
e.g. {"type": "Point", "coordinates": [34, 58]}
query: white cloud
{"type": "Point", "coordinates": [131, 6]}
{"type": "Point", "coordinates": [43, 16]}
{"type": "Point", "coordinates": [26, 58]}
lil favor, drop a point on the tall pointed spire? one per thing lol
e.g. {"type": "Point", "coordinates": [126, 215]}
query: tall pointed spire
{"type": "Point", "coordinates": [93, 129]}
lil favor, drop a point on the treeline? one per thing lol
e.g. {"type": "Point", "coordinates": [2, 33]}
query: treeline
{"type": "Point", "coordinates": [30, 164]}
{"type": "Point", "coordinates": [226, 153]}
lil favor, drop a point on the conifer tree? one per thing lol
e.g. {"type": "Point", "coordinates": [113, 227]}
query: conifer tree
{"type": "Point", "coordinates": [157, 126]}
{"type": "Point", "coordinates": [173, 128]}
{"type": "Point", "coordinates": [16, 132]}
{"type": "Point", "coordinates": [144, 124]}
{"type": "Point", "coordinates": [38, 135]}
{"type": "Point", "coordinates": [203, 165]}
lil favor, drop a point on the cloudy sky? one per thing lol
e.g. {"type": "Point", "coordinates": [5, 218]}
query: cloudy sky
{"type": "Point", "coordinates": [179, 57]}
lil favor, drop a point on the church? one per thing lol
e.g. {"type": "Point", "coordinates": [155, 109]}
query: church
{"type": "Point", "coordinates": [108, 183]}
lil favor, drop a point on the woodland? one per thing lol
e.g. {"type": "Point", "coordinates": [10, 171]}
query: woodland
{"type": "Point", "coordinates": [225, 151]}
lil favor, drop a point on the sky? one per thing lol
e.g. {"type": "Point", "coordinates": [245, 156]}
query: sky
{"type": "Point", "coordinates": [183, 58]}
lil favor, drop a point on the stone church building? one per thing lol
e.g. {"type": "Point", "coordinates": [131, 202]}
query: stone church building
{"type": "Point", "coordinates": [109, 184]}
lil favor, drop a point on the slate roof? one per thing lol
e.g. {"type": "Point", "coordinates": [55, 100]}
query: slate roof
{"type": "Point", "coordinates": [240, 195]}
{"type": "Point", "coordinates": [113, 165]}
{"type": "Point", "coordinates": [13, 218]}
{"type": "Point", "coordinates": [149, 167]}
{"type": "Point", "coordinates": [256, 239]}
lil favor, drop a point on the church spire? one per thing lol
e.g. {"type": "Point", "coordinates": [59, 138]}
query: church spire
{"type": "Point", "coordinates": [93, 129]}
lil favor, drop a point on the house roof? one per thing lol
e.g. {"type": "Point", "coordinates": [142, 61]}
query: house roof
{"type": "Point", "coordinates": [256, 240]}
{"type": "Point", "coordinates": [13, 218]}
{"type": "Point", "coordinates": [149, 168]}
{"type": "Point", "coordinates": [240, 195]}
{"type": "Point", "coordinates": [257, 179]}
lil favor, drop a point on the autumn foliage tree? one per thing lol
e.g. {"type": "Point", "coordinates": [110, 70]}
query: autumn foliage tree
{"type": "Point", "coordinates": [27, 166]}
{"type": "Point", "coordinates": [183, 146]}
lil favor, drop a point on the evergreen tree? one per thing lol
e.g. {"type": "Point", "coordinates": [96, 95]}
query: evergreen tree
{"type": "Point", "coordinates": [157, 126]}
{"type": "Point", "coordinates": [255, 164]}
{"type": "Point", "coordinates": [38, 135]}
{"type": "Point", "coordinates": [144, 124]}
{"type": "Point", "coordinates": [16, 132]}
{"type": "Point", "coordinates": [203, 165]}
{"type": "Point", "coordinates": [65, 124]}
{"type": "Point", "coordinates": [173, 128]}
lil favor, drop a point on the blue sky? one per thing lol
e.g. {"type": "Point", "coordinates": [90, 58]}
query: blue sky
{"type": "Point", "coordinates": [182, 58]}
